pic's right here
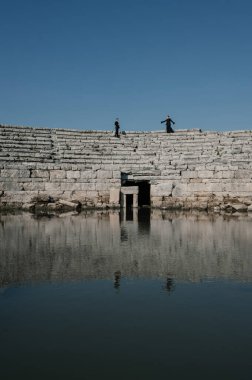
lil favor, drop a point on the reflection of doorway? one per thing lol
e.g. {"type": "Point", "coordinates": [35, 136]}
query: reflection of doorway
{"type": "Point", "coordinates": [144, 220]}
{"type": "Point", "coordinates": [144, 191]}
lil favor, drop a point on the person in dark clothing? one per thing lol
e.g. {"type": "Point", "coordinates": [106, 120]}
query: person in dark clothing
{"type": "Point", "coordinates": [117, 127]}
{"type": "Point", "coordinates": [168, 122]}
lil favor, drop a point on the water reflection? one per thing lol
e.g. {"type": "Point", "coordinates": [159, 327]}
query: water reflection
{"type": "Point", "coordinates": [117, 279]}
{"type": "Point", "coordinates": [140, 219]}
{"type": "Point", "coordinates": [169, 285]}
{"type": "Point", "coordinates": [105, 245]}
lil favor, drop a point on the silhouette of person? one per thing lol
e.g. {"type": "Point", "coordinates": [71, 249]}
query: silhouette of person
{"type": "Point", "coordinates": [168, 122]}
{"type": "Point", "coordinates": [117, 127]}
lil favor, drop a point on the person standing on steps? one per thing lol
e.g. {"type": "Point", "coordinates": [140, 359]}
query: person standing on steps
{"type": "Point", "coordinates": [168, 122]}
{"type": "Point", "coordinates": [117, 127]}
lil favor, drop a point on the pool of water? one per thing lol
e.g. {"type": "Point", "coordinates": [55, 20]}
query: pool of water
{"type": "Point", "coordinates": [136, 295]}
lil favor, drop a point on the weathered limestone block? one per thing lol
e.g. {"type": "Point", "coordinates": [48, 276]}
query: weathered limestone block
{"type": "Point", "coordinates": [38, 173]}
{"type": "Point", "coordinates": [68, 180]}
{"type": "Point", "coordinates": [181, 190]}
{"type": "Point", "coordinates": [106, 174]}
{"type": "Point", "coordinates": [205, 173]}
{"type": "Point", "coordinates": [171, 174]}
{"type": "Point", "coordinates": [73, 174]}
{"type": "Point", "coordinates": [71, 186]}
{"type": "Point", "coordinates": [216, 168]}
{"type": "Point", "coordinates": [189, 174]}
{"type": "Point", "coordinates": [78, 195]}
{"type": "Point", "coordinates": [239, 188]}
{"type": "Point", "coordinates": [87, 174]}
{"type": "Point", "coordinates": [162, 189]}
{"type": "Point", "coordinates": [156, 201]}
{"type": "Point", "coordinates": [245, 200]}
{"type": "Point", "coordinates": [213, 187]}
{"type": "Point", "coordinates": [64, 167]}
{"type": "Point", "coordinates": [92, 194]}
{"type": "Point", "coordinates": [52, 186]}
{"type": "Point", "coordinates": [15, 173]}
{"type": "Point", "coordinates": [224, 174]}
{"type": "Point", "coordinates": [19, 196]}
{"type": "Point", "coordinates": [103, 198]}
{"type": "Point", "coordinates": [33, 186]}
{"type": "Point", "coordinates": [87, 187]}
{"type": "Point", "coordinates": [11, 186]}
{"type": "Point", "coordinates": [114, 196]}
{"type": "Point", "coordinates": [116, 182]}
{"type": "Point", "coordinates": [47, 166]}
{"type": "Point", "coordinates": [116, 174]}
{"type": "Point", "coordinates": [102, 186]}
{"type": "Point", "coordinates": [28, 206]}
{"type": "Point", "coordinates": [43, 195]}
{"type": "Point", "coordinates": [243, 174]}
{"type": "Point", "coordinates": [57, 174]}
{"type": "Point", "coordinates": [239, 207]}
{"type": "Point", "coordinates": [199, 204]}
{"type": "Point", "coordinates": [195, 180]}
{"type": "Point", "coordinates": [71, 205]}
{"type": "Point", "coordinates": [173, 203]}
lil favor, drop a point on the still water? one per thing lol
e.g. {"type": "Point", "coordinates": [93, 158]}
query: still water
{"type": "Point", "coordinates": [136, 295]}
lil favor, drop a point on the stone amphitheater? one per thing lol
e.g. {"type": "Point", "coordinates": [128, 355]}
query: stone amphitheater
{"type": "Point", "coordinates": [186, 170]}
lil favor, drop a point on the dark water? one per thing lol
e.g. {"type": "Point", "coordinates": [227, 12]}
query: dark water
{"type": "Point", "coordinates": [126, 296]}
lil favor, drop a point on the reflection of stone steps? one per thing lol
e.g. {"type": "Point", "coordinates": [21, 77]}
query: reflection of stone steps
{"type": "Point", "coordinates": [70, 161]}
{"type": "Point", "coordinates": [188, 247]}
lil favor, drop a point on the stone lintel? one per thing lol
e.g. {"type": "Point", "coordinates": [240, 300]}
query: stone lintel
{"type": "Point", "coordinates": [129, 190]}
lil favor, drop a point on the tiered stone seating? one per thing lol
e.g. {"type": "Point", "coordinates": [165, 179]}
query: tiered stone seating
{"type": "Point", "coordinates": [66, 146]}
{"type": "Point", "coordinates": [91, 162]}
{"type": "Point", "coordinates": [18, 144]}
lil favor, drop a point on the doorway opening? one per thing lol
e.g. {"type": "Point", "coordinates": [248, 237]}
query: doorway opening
{"type": "Point", "coordinates": [144, 191]}
{"type": "Point", "coordinates": [129, 200]}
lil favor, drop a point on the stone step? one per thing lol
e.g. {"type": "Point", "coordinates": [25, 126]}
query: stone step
{"type": "Point", "coordinates": [103, 162]}
{"type": "Point", "coordinates": [21, 141]}
{"type": "Point", "coordinates": [24, 154]}
{"type": "Point", "coordinates": [12, 129]}
{"type": "Point", "coordinates": [25, 146]}
{"type": "Point", "coordinates": [21, 159]}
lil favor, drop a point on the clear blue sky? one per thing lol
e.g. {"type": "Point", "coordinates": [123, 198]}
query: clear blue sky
{"type": "Point", "coordinates": [81, 63]}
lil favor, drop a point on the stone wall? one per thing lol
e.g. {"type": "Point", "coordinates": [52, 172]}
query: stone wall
{"type": "Point", "coordinates": [187, 169]}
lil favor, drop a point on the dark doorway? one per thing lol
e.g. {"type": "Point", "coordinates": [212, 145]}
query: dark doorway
{"type": "Point", "coordinates": [129, 200]}
{"type": "Point", "coordinates": [144, 191]}
{"type": "Point", "coordinates": [129, 204]}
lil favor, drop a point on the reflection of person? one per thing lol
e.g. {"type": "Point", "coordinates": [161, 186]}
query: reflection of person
{"type": "Point", "coordinates": [117, 127]}
{"type": "Point", "coordinates": [169, 286]}
{"type": "Point", "coordinates": [117, 275]}
{"type": "Point", "coordinates": [168, 122]}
